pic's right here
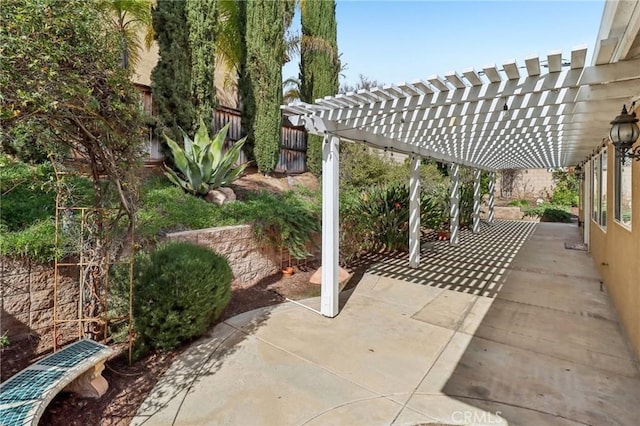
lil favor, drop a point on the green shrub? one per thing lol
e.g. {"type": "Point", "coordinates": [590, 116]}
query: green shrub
{"type": "Point", "coordinates": [564, 196]}
{"type": "Point", "coordinates": [168, 209]}
{"type": "Point", "coordinates": [28, 193]}
{"type": "Point", "coordinates": [519, 203]}
{"type": "Point", "coordinates": [566, 190]}
{"type": "Point", "coordinates": [288, 220]}
{"type": "Point", "coordinates": [36, 242]}
{"type": "Point", "coordinates": [4, 340]}
{"type": "Point", "coordinates": [378, 218]}
{"type": "Point", "coordinates": [548, 212]}
{"type": "Point", "coordinates": [29, 141]}
{"type": "Point", "coordinates": [179, 291]}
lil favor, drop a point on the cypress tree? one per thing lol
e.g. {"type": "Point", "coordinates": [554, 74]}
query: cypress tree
{"type": "Point", "coordinates": [265, 51]}
{"type": "Point", "coordinates": [171, 78]}
{"type": "Point", "coordinates": [201, 20]}
{"type": "Point", "coordinates": [319, 63]}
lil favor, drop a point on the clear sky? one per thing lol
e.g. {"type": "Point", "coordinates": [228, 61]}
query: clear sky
{"type": "Point", "coordinates": [403, 41]}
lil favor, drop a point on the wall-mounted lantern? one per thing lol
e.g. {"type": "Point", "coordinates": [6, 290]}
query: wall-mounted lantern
{"type": "Point", "coordinates": [578, 172]}
{"type": "Point", "coordinates": [624, 133]}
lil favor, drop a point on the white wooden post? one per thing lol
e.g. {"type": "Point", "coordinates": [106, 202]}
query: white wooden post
{"type": "Point", "coordinates": [455, 211]}
{"type": "Point", "coordinates": [476, 201]}
{"type": "Point", "coordinates": [414, 212]}
{"type": "Point", "coordinates": [330, 226]}
{"type": "Point", "coordinates": [492, 188]}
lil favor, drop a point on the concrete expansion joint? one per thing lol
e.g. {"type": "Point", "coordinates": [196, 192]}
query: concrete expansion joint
{"type": "Point", "coordinates": [550, 308]}
{"type": "Point", "coordinates": [608, 372]}
{"type": "Point", "coordinates": [322, 367]}
{"type": "Point", "coordinates": [555, 274]}
{"type": "Point", "coordinates": [346, 404]}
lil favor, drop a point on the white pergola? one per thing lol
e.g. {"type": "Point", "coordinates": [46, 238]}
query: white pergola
{"type": "Point", "coordinates": [543, 112]}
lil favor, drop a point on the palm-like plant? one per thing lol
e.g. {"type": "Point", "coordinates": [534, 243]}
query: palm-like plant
{"type": "Point", "coordinates": [291, 90]}
{"type": "Point", "coordinates": [130, 18]}
{"type": "Point", "coordinates": [202, 162]}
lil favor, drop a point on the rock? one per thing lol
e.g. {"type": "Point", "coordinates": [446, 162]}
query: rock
{"type": "Point", "coordinates": [229, 194]}
{"type": "Point", "coordinates": [316, 278]}
{"type": "Point", "coordinates": [216, 196]}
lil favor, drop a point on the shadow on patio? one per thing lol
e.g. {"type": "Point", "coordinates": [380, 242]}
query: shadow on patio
{"type": "Point", "coordinates": [543, 346]}
{"type": "Point", "coordinates": [507, 328]}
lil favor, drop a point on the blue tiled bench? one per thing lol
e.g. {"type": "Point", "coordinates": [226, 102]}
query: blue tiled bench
{"type": "Point", "coordinates": [76, 368]}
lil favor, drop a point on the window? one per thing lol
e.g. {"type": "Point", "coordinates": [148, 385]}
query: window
{"type": "Point", "coordinates": [595, 189]}
{"type": "Point", "coordinates": [622, 194]}
{"type": "Point", "coordinates": [599, 188]}
{"type": "Point", "coordinates": [603, 189]}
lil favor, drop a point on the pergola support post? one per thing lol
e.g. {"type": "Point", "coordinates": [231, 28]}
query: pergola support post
{"type": "Point", "coordinates": [492, 190]}
{"type": "Point", "coordinates": [476, 201]}
{"type": "Point", "coordinates": [330, 226]}
{"type": "Point", "coordinates": [414, 212]}
{"type": "Point", "coordinates": [454, 213]}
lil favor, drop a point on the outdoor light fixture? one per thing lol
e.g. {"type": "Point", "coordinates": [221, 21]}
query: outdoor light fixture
{"type": "Point", "coordinates": [578, 172]}
{"type": "Point", "coordinates": [624, 133]}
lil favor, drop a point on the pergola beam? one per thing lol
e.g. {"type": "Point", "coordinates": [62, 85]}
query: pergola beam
{"type": "Point", "coordinates": [550, 113]}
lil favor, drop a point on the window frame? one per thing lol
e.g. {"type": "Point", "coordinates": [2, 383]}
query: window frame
{"type": "Point", "coordinates": [620, 160]}
{"type": "Point", "coordinates": [604, 170]}
{"type": "Point", "coordinates": [595, 189]}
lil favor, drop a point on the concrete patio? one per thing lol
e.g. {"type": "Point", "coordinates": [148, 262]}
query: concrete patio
{"type": "Point", "coordinates": [507, 328]}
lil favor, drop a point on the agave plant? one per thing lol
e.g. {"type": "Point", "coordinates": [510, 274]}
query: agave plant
{"type": "Point", "coordinates": [202, 162]}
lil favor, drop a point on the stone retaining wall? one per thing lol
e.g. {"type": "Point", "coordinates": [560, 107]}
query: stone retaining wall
{"type": "Point", "coordinates": [26, 314]}
{"type": "Point", "coordinates": [249, 261]}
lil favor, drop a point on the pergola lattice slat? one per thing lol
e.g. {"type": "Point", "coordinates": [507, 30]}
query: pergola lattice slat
{"type": "Point", "coordinates": [556, 112]}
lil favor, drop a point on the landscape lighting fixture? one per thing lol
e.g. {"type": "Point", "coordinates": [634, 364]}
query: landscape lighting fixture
{"type": "Point", "coordinates": [624, 133]}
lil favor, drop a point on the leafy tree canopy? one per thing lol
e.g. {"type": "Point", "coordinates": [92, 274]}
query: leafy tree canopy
{"type": "Point", "coordinates": [61, 71]}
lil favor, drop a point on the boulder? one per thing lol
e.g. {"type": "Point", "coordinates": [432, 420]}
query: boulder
{"type": "Point", "coordinates": [229, 194]}
{"type": "Point", "coordinates": [216, 196]}
{"type": "Point", "coordinates": [221, 196]}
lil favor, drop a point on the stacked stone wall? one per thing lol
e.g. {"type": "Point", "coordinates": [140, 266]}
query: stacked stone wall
{"type": "Point", "coordinates": [249, 261]}
{"type": "Point", "coordinates": [26, 314]}
{"type": "Point", "coordinates": [527, 183]}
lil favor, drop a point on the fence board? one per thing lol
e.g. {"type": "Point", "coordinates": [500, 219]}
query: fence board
{"type": "Point", "coordinates": [293, 140]}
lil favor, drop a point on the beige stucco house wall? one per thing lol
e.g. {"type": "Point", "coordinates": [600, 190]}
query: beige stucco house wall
{"type": "Point", "coordinates": [616, 253]}
{"type": "Point", "coordinates": [224, 76]}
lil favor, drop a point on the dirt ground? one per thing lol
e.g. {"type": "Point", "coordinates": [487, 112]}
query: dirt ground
{"type": "Point", "coordinates": [130, 384]}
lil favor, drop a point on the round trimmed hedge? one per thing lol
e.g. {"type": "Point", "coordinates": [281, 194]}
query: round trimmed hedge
{"type": "Point", "coordinates": [180, 290]}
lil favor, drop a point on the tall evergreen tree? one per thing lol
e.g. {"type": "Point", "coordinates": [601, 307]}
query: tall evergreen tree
{"type": "Point", "coordinates": [266, 21]}
{"type": "Point", "coordinates": [319, 63]}
{"type": "Point", "coordinates": [201, 20]}
{"type": "Point", "coordinates": [171, 78]}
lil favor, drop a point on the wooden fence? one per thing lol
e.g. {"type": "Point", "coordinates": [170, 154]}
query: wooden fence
{"type": "Point", "coordinates": [293, 150]}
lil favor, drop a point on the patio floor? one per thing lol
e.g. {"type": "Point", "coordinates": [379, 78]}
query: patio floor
{"type": "Point", "coordinates": [507, 328]}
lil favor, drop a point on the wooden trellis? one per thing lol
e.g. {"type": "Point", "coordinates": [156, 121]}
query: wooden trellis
{"type": "Point", "coordinates": [81, 241]}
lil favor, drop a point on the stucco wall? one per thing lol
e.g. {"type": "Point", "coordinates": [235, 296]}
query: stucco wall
{"type": "Point", "coordinates": [616, 252]}
{"type": "Point", "coordinates": [224, 79]}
